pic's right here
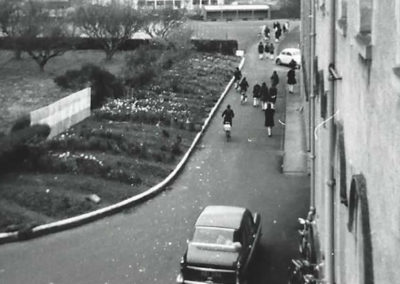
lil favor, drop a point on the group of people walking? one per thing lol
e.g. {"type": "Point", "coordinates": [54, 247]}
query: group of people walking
{"type": "Point", "coordinates": [267, 97]}
{"type": "Point", "coordinates": [262, 95]}
{"type": "Point", "coordinates": [278, 29]}
{"type": "Point", "coordinates": [266, 48]}
{"type": "Point", "coordinates": [266, 51]}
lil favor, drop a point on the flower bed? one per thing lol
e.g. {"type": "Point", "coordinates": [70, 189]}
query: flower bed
{"type": "Point", "coordinates": [124, 148]}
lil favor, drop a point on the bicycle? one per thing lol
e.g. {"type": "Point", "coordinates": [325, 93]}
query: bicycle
{"type": "Point", "coordinates": [227, 129]}
{"type": "Point", "coordinates": [306, 245]}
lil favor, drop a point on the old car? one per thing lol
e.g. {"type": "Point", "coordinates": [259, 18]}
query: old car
{"type": "Point", "coordinates": [223, 245]}
{"type": "Point", "coordinates": [289, 55]}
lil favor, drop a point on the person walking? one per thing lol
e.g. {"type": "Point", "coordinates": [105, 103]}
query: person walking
{"type": "Point", "coordinates": [269, 119]}
{"type": "Point", "coordinates": [267, 33]}
{"type": "Point", "coordinates": [271, 51]}
{"type": "Point", "coordinates": [256, 95]}
{"type": "Point", "coordinates": [237, 74]}
{"type": "Point", "coordinates": [272, 95]}
{"type": "Point", "coordinates": [286, 24]}
{"type": "Point", "coordinates": [291, 79]}
{"type": "Point", "coordinates": [264, 95]}
{"type": "Point", "coordinates": [274, 79]}
{"type": "Point", "coordinates": [284, 29]}
{"type": "Point", "coordinates": [278, 33]}
{"type": "Point", "coordinates": [260, 50]}
{"type": "Point", "coordinates": [266, 50]}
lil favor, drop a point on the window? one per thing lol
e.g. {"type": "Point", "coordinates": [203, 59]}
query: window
{"type": "Point", "coordinates": [365, 8]}
{"type": "Point", "coordinates": [322, 94]}
{"type": "Point", "coordinates": [363, 37]}
{"type": "Point", "coordinates": [322, 6]}
{"type": "Point", "coordinates": [359, 226]}
{"type": "Point", "coordinates": [340, 164]}
{"type": "Point", "coordinates": [396, 69]}
{"type": "Point", "coordinates": [342, 22]}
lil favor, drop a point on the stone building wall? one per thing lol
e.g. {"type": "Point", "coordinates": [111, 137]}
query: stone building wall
{"type": "Point", "coordinates": [367, 169]}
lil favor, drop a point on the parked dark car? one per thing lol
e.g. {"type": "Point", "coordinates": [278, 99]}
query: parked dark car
{"type": "Point", "coordinates": [223, 245]}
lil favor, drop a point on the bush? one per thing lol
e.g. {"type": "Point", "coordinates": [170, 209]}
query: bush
{"type": "Point", "coordinates": [104, 84]}
{"type": "Point", "coordinates": [140, 66]}
{"type": "Point", "coordinates": [141, 77]}
{"type": "Point", "coordinates": [14, 147]}
{"type": "Point", "coordinates": [21, 123]}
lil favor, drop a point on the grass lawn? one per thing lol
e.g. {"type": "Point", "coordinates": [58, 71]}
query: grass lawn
{"type": "Point", "coordinates": [23, 88]}
{"type": "Point", "coordinates": [125, 147]}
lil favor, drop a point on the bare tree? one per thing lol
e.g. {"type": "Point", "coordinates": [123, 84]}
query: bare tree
{"type": "Point", "coordinates": [10, 22]}
{"type": "Point", "coordinates": [113, 24]}
{"type": "Point", "coordinates": [44, 37]}
{"type": "Point", "coordinates": [161, 22]}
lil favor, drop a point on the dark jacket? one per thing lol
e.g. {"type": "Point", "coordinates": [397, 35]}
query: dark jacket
{"type": "Point", "coordinates": [266, 32]}
{"type": "Point", "coordinates": [237, 74]}
{"type": "Point", "coordinates": [266, 48]}
{"type": "Point", "coordinates": [256, 90]}
{"type": "Point", "coordinates": [274, 79]}
{"type": "Point", "coordinates": [264, 92]}
{"type": "Point", "coordinates": [291, 77]}
{"type": "Point", "coordinates": [260, 48]}
{"type": "Point", "coordinates": [273, 93]}
{"type": "Point", "coordinates": [271, 48]}
{"type": "Point", "coordinates": [243, 85]}
{"type": "Point", "coordinates": [228, 114]}
{"type": "Point", "coordinates": [269, 117]}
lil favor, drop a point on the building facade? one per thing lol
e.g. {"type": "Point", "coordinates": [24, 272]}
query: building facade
{"type": "Point", "coordinates": [351, 91]}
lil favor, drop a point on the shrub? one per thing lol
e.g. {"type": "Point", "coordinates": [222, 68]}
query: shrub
{"type": "Point", "coordinates": [141, 77]}
{"type": "Point", "coordinates": [104, 84]}
{"type": "Point", "coordinates": [21, 123]}
{"type": "Point", "coordinates": [122, 176]}
{"type": "Point", "coordinates": [176, 146]}
{"type": "Point", "coordinates": [14, 147]}
{"type": "Point", "coordinates": [140, 66]}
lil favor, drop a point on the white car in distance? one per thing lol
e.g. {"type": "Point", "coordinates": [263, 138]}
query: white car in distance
{"type": "Point", "coordinates": [287, 55]}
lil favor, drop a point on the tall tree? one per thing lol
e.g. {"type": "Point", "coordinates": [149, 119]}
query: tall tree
{"type": "Point", "coordinates": [11, 12]}
{"type": "Point", "coordinates": [44, 37]}
{"type": "Point", "coordinates": [112, 25]}
{"type": "Point", "coordinates": [161, 22]}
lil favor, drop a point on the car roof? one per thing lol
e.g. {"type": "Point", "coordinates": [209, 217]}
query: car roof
{"type": "Point", "coordinates": [291, 49]}
{"type": "Point", "coordinates": [221, 216]}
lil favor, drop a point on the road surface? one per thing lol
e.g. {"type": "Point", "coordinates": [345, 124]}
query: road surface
{"type": "Point", "coordinates": [144, 244]}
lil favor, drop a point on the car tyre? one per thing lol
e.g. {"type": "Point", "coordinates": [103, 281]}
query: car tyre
{"type": "Point", "coordinates": [278, 62]}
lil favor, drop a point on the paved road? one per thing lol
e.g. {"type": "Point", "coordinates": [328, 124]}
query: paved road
{"type": "Point", "coordinates": [144, 245]}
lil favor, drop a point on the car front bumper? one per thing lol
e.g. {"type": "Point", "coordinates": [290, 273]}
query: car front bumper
{"type": "Point", "coordinates": [180, 280]}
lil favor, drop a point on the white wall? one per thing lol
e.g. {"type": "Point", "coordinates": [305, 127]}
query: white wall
{"type": "Point", "coordinates": [63, 113]}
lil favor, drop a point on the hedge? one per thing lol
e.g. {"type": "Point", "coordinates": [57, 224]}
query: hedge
{"type": "Point", "coordinates": [66, 43]}
{"type": "Point", "coordinates": [228, 47]}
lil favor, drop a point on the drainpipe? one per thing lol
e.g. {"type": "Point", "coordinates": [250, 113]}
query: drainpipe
{"type": "Point", "coordinates": [312, 102]}
{"type": "Point", "coordinates": [329, 201]}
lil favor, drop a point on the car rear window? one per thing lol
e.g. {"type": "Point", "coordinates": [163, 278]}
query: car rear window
{"type": "Point", "coordinates": [213, 235]}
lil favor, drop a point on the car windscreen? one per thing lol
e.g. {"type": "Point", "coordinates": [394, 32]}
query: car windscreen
{"type": "Point", "coordinates": [211, 235]}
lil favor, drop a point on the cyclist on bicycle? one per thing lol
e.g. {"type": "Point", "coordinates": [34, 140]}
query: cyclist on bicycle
{"type": "Point", "coordinates": [228, 115]}
{"type": "Point", "coordinates": [243, 89]}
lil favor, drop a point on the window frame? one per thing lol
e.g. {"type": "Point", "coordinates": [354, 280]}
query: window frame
{"type": "Point", "coordinates": [396, 68]}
